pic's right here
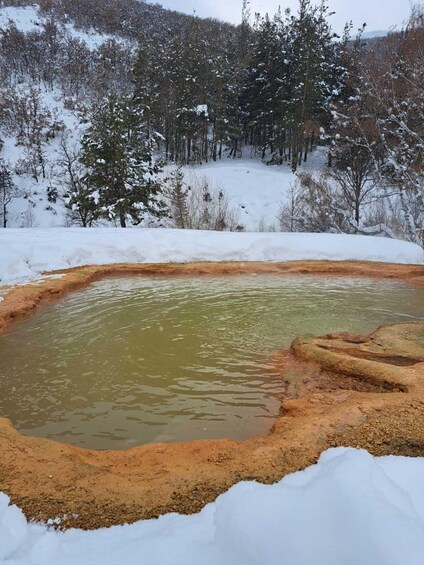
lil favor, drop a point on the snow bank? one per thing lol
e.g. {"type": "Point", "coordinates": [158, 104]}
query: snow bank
{"type": "Point", "coordinates": [24, 253]}
{"type": "Point", "coordinates": [350, 509]}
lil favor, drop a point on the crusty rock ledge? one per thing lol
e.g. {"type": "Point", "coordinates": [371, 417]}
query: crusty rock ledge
{"type": "Point", "coordinates": [364, 391]}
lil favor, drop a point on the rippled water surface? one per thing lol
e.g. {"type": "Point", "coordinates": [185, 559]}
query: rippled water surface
{"type": "Point", "coordinates": [135, 360]}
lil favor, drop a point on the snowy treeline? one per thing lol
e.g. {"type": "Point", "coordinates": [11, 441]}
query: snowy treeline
{"type": "Point", "coordinates": [96, 96]}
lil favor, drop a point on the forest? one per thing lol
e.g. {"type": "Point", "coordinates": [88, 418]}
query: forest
{"type": "Point", "coordinates": [94, 124]}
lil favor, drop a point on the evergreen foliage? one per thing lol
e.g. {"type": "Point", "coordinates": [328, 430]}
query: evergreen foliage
{"type": "Point", "coordinates": [121, 172]}
{"type": "Point", "coordinates": [190, 90]}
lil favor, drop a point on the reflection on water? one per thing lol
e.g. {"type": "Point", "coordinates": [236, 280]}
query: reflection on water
{"type": "Point", "coordinates": [136, 360]}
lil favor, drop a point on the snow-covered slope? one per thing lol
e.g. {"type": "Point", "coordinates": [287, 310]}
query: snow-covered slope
{"type": "Point", "coordinates": [24, 253]}
{"type": "Point", "coordinates": [28, 19]}
{"type": "Point", "coordinates": [33, 207]}
{"type": "Point", "coordinates": [349, 509]}
{"type": "Point", "coordinates": [25, 18]}
{"type": "Point", "coordinates": [255, 190]}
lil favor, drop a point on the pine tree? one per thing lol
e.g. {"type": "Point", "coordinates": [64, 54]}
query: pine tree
{"type": "Point", "coordinates": [178, 199]}
{"type": "Point", "coordinates": [264, 95]}
{"type": "Point", "coordinates": [312, 60]}
{"type": "Point", "coordinates": [119, 162]}
{"type": "Point", "coordinates": [294, 73]}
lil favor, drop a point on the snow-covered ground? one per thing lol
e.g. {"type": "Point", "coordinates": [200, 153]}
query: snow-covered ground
{"type": "Point", "coordinates": [25, 18]}
{"type": "Point", "coordinates": [33, 208]}
{"type": "Point", "coordinates": [254, 189]}
{"type": "Point", "coordinates": [24, 253]}
{"type": "Point", "coordinates": [349, 509]}
{"type": "Point", "coordinates": [28, 19]}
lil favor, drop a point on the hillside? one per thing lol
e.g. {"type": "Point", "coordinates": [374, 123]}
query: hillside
{"type": "Point", "coordinates": [278, 98]}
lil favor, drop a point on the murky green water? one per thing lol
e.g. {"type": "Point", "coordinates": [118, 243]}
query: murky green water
{"type": "Point", "coordinates": [136, 360]}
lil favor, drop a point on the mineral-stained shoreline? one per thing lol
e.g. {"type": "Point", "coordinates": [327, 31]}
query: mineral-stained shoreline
{"type": "Point", "coordinates": [341, 389]}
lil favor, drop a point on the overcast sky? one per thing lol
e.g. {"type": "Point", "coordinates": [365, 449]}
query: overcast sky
{"type": "Point", "coordinates": [378, 14]}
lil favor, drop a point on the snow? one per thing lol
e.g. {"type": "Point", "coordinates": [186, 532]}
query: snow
{"type": "Point", "coordinates": [34, 209]}
{"type": "Point", "coordinates": [25, 253]}
{"type": "Point", "coordinates": [253, 188]}
{"type": "Point", "coordinates": [201, 109]}
{"type": "Point", "coordinates": [350, 508]}
{"type": "Point", "coordinates": [92, 38]}
{"type": "Point", "coordinates": [27, 18]}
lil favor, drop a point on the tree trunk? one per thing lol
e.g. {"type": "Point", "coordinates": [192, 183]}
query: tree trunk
{"type": "Point", "coordinates": [357, 212]}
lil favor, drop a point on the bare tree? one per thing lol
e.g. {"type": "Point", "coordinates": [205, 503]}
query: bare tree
{"type": "Point", "coordinates": [79, 200]}
{"type": "Point", "coordinates": [291, 211]}
{"type": "Point", "coordinates": [397, 97]}
{"type": "Point", "coordinates": [8, 191]}
{"type": "Point", "coordinates": [323, 206]}
{"type": "Point", "coordinates": [198, 205]}
{"type": "Point", "coordinates": [353, 171]}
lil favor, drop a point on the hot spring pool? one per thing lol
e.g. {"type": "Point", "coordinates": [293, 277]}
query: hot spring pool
{"type": "Point", "coordinates": [129, 361]}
